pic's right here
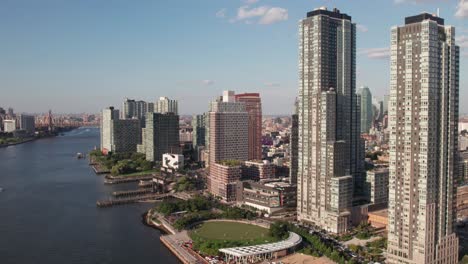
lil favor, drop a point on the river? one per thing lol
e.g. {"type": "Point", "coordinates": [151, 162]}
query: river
{"type": "Point", "coordinates": [48, 210]}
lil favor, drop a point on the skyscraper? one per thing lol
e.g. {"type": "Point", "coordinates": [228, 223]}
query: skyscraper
{"type": "Point", "coordinates": [199, 135]}
{"type": "Point", "coordinates": [385, 104]}
{"type": "Point", "coordinates": [228, 129]}
{"type": "Point", "coordinates": [166, 105]}
{"type": "Point", "coordinates": [423, 115]}
{"type": "Point", "coordinates": [27, 123]}
{"type": "Point", "coordinates": [365, 97]}
{"type": "Point", "coordinates": [294, 145]}
{"type": "Point", "coordinates": [118, 135]}
{"type": "Point", "coordinates": [128, 108]}
{"type": "Point", "coordinates": [329, 134]}
{"type": "Point", "coordinates": [136, 109]}
{"type": "Point", "coordinates": [253, 106]}
{"type": "Point", "coordinates": [161, 135]}
{"type": "Point", "coordinates": [199, 129]}
{"type": "Point", "coordinates": [228, 144]}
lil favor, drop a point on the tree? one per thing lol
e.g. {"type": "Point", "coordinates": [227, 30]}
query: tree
{"type": "Point", "coordinates": [279, 230]}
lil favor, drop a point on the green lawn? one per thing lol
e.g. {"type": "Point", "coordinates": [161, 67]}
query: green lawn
{"type": "Point", "coordinates": [209, 237]}
{"type": "Point", "coordinates": [231, 231]}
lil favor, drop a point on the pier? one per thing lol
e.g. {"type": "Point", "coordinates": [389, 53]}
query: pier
{"type": "Point", "coordinates": [132, 192]}
{"type": "Point", "coordinates": [110, 203]}
{"type": "Point", "coordinates": [117, 180]}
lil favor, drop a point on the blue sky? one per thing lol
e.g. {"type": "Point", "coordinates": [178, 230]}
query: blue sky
{"type": "Point", "coordinates": [84, 55]}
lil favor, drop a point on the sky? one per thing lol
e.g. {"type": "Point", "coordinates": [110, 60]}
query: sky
{"type": "Point", "coordinates": [75, 56]}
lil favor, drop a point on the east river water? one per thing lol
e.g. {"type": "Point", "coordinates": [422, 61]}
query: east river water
{"type": "Point", "coordinates": [48, 210]}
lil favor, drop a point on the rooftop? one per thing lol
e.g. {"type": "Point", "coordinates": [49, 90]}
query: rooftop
{"type": "Point", "coordinates": [292, 241]}
{"type": "Point", "coordinates": [230, 163]}
{"type": "Point", "coordinates": [424, 16]}
{"type": "Point", "coordinates": [335, 13]}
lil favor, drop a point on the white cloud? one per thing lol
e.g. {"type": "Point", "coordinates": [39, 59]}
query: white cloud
{"type": "Point", "coordinates": [375, 53]}
{"type": "Point", "coordinates": [462, 9]}
{"type": "Point", "coordinates": [417, 1]}
{"type": "Point", "coordinates": [361, 28]}
{"type": "Point", "coordinates": [266, 15]}
{"type": "Point", "coordinates": [462, 41]}
{"type": "Point", "coordinates": [221, 13]}
{"type": "Point", "coordinates": [272, 84]}
{"type": "Point", "coordinates": [273, 15]}
{"type": "Point", "coordinates": [207, 82]}
{"type": "Point", "coordinates": [244, 12]}
{"type": "Point", "coordinates": [250, 2]}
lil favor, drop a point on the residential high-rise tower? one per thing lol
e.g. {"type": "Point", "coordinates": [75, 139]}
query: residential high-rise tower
{"type": "Point", "coordinates": [253, 106]}
{"type": "Point", "coordinates": [329, 159]}
{"type": "Point", "coordinates": [166, 105]}
{"type": "Point", "coordinates": [423, 116]}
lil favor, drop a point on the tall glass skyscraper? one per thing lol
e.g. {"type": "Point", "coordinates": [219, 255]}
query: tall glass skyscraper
{"type": "Point", "coordinates": [365, 97]}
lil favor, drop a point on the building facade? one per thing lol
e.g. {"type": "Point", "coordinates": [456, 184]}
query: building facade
{"type": "Point", "coordinates": [27, 123]}
{"type": "Point", "coordinates": [365, 97]}
{"type": "Point", "coordinates": [173, 161]}
{"type": "Point", "coordinates": [118, 135]}
{"type": "Point", "coordinates": [329, 159]}
{"type": "Point", "coordinates": [253, 106]}
{"type": "Point", "coordinates": [423, 116]}
{"type": "Point", "coordinates": [9, 125]}
{"type": "Point", "coordinates": [199, 130]}
{"type": "Point", "coordinates": [223, 178]}
{"type": "Point", "coordinates": [269, 196]}
{"type": "Point", "coordinates": [377, 186]}
{"type": "Point", "coordinates": [161, 135]}
{"type": "Point", "coordinates": [166, 105]}
{"type": "Point", "coordinates": [258, 170]}
{"type": "Point", "coordinates": [294, 146]}
{"type": "Point", "coordinates": [228, 139]}
{"type": "Point", "coordinates": [132, 109]}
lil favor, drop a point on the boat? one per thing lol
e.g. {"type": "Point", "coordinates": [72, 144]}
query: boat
{"type": "Point", "coordinates": [79, 155]}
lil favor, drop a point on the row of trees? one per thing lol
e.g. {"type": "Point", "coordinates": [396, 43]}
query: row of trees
{"type": "Point", "coordinates": [313, 245]}
{"type": "Point", "coordinates": [186, 183]}
{"type": "Point", "coordinates": [200, 208]}
{"type": "Point", "coordinates": [122, 163]}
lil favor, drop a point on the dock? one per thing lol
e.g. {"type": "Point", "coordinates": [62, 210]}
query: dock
{"type": "Point", "coordinates": [132, 192]}
{"type": "Point", "coordinates": [117, 180]}
{"type": "Point", "coordinates": [112, 202]}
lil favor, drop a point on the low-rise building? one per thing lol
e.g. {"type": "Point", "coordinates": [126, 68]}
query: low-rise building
{"type": "Point", "coordinates": [378, 219]}
{"type": "Point", "coordinates": [269, 196]}
{"type": "Point", "coordinates": [222, 181]}
{"type": "Point", "coordinates": [9, 125]}
{"type": "Point", "coordinates": [377, 186]}
{"type": "Point", "coordinates": [258, 169]}
{"type": "Point", "coordinates": [173, 161]}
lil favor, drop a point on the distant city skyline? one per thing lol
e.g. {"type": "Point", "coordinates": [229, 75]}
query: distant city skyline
{"type": "Point", "coordinates": [75, 57]}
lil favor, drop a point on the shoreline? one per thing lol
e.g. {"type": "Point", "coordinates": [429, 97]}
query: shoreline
{"type": "Point", "coordinates": [37, 138]}
{"type": "Point", "coordinates": [165, 233]}
{"type": "Point", "coordinates": [18, 143]}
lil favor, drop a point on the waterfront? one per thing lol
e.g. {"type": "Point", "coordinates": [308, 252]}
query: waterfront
{"type": "Point", "coordinates": [48, 208]}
